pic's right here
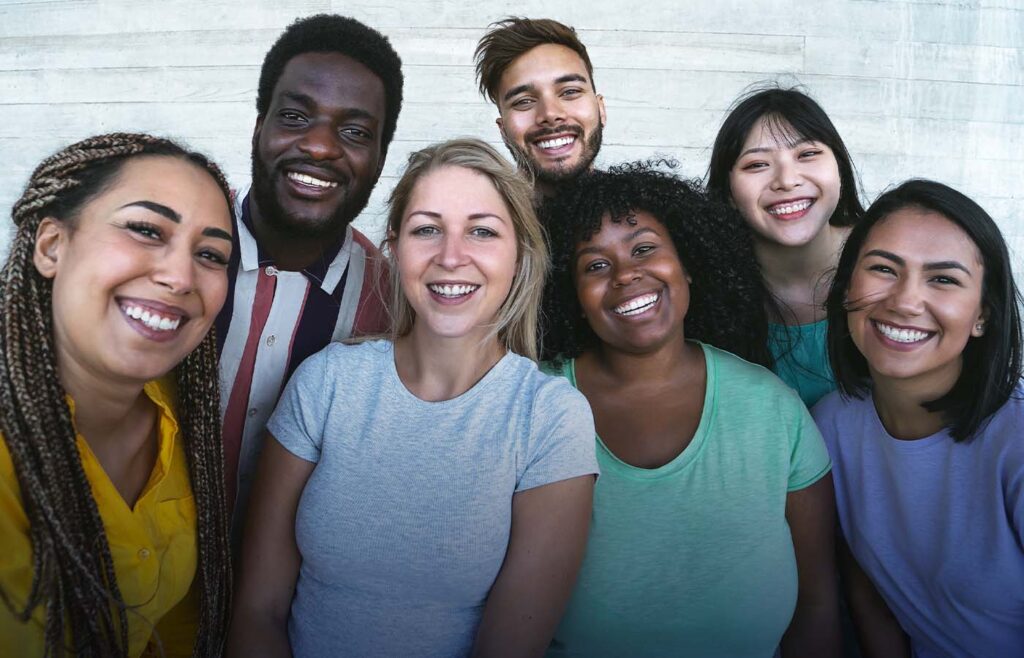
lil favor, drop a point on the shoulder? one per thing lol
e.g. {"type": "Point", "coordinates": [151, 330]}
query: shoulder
{"type": "Point", "coordinates": [364, 242]}
{"type": "Point", "coordinates": [547, 390]}
{"type": "Point", "coordinates": [1003, 431]}
{"type": "Point", "coordinates": [745, 382]}
{"type": "Point", "coordinates": [355, 360]}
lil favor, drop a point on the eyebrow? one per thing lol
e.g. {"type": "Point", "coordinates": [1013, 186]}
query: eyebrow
{"type": "Point", "coordinates": [562, 79]}
{"type": "Point", "coordinates": [308, 101]}
{"type": "Point", "coordinates": [172, 215]}
{"type": "Point", "coordinates": [629, 238]}
{"type": "Point", "coordinates": [473, 216]}
{"type": "Point", "coordinates": [769, 149]}
{"type": "Point", "coordinates": [937, 265]}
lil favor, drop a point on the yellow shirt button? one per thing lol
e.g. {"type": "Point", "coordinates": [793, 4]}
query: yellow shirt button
{"type": "Point", "coordinates": [143, 553]}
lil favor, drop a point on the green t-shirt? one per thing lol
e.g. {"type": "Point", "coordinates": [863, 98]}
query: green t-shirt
{"type": "Point", "coordinates": [801, 359]}
{"type": "Point", "coordinates": [695, 558]}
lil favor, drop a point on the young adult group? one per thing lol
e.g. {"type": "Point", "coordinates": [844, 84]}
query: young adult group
{"type": "Point", "coordinates": [562, 411]}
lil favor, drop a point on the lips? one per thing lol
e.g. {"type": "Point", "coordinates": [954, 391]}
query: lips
{"type": "Point", "coordinates": [152, 319]}
{"type": "Point", "coordinates": [790, 208]}
{"type": "Point", "coordinates": [637, 305]}
{"type": "Point", "coordinates": [555, 142]}
{"type": "Point", "coordinates": [306, 180]}
{"type": "Point", "coordinates": [908, 336]}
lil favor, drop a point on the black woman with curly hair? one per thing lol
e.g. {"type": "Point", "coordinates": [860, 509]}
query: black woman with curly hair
{"type": "Point", "coordinates": [112, 506]}
{"type": "Point", "coordinates": [713, 516]}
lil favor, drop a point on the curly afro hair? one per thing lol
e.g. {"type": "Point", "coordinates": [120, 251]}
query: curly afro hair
{"type": "Point", "coordinates": [329, 33]}
{"type": "Point", "coordinates": [727, 295]}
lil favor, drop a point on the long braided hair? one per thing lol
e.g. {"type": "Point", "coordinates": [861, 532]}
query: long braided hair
{"type": "Point", "coordinates": [73, 571]}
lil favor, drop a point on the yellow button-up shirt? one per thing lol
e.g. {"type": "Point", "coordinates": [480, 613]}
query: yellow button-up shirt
{"type": "Point", "coordinates": [153, 545]}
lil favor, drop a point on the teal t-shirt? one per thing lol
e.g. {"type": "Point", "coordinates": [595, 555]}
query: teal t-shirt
{"type": "Point", "coordinates": [801, 359]}
{"type": "Point", "coordinates": [695, 558]}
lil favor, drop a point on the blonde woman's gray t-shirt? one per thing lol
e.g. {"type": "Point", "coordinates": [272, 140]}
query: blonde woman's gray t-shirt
{"type": "Point", "coordinates": [404, 522]}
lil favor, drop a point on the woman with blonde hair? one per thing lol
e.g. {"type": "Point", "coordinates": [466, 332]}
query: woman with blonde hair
{"type": "Point", "coordinates": [112, 504]}
{"type": "Point", "coordinates": [428, 493]}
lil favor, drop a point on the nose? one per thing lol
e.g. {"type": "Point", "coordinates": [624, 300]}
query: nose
{"type": "Point", "coordinates": [452, 253]}
{"type": "Point", "coordinates": [175, 270]}
{"type": "Point", "coordinates": [625, 274]}
{"type": "Point", "coordinates": [550, 110]}
{"type": "Point", "coordinates": [320, 142]}
{"type": "Point", "coordinates": [906, 297]}
{"type": "Point", "coordinates": [785, 176]}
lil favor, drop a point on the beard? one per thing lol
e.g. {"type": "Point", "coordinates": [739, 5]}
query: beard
{"type": "Point", "coordinates": [303, 226]}
{"type": "Point", "coordinates": [558, 175]}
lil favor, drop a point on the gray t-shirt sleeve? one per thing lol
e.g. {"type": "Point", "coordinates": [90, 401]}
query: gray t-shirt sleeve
{"type": "Point", "coordinates": [299, 419]}
{"type": "Point", "coordinates": [561, 443]}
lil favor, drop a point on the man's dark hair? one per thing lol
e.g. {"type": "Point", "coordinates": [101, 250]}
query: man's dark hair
{"type": "Point", "coordinates": [727, 295]}
{"type": "Point", "coordinates": [329, 33]}
{"type": "Point", "coordinates": [509, 38]}
{"type": "Point", "coordinates": [991, 362]}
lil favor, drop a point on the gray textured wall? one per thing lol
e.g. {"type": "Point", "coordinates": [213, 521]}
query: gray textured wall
{"type": "Point", "coordinates": [930, 88]}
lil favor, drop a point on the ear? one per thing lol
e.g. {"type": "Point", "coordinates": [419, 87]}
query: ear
{"type": "Point", "coordinates": [978, 330]}
{"type": "Point", "coordinates": [256, 129]}
{"type": "Point", "coordinates": [380, 166]}
{"type": "Point", "coordinates": [600, 110]}
{"type": "Point", "coordinates": [50, 241]}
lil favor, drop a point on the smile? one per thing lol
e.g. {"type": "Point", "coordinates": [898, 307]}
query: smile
{"type": "Point", "coordinates": [898, 335]}
{"type": "Point", "coordinates": [306, 179]}
{"type": "Point", "coordinates": [452, 291]}
{"type": "Point", "coordinates": [152, 319]}
{"type": "Point", "coordinates": [789, 208]}
{"type": "Point", "coordinates": [637, 305]}
{"type": "Point", "coordinates": [555, 142]}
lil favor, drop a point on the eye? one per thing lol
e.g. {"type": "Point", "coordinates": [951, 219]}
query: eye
{"type": "Point", "coordinates": [572, 92]}
{"type": "Point", "coordinates": [213, 256]}
{"type": "Point", "coordinates": [144, 229]}
{"type": "Point", "coordinates": [753, 165]}
{"type": "Point", "coordinates": [810, 153]}
{"type": "Point", "coordinates": [595, 266]}
{"type": "Point", "coordinates": [291, 117]}
{"type": "Point", "coordinates": [427, 230]}
{"type": "Point", "coordinates": [357, 133]}
{"type": "Point", "coordinates": [880, 268]}
{"type": "Point", "coordinates": [643, 249]}
{"type": "Point", "coordinates": [522, 103]}
{"type": "Point", "coordinates": [483, 232]}
{"type": "Point", "coordinates": [946, 280]}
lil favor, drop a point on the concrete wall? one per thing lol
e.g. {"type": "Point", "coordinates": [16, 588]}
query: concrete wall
{"type": "Point", "coordinates": [930, 88]}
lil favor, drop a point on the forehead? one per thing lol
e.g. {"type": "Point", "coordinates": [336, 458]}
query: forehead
{"type": "Point", "coordinates": [542, 64]}
{"type": "Point", "coordinates": [182, 186]}
{"type": "Point", "coordinates": [332, 80]}
{"type": "Point", "coordinates": [476, 193]}
{"type": "Point", "coordinates": [920, 235]}
{"type": "Point", "coordinates": [773, 131]}
{"type": "Point", "coordinates": [618, 229]}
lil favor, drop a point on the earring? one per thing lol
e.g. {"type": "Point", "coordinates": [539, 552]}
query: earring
{"type": "Point", "coordinates": [979, 328]}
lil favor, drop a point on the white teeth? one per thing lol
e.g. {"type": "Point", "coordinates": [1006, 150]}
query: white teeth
{"type": "Point", "coordinates": [637, 304]}
{"type": "Point", "coordinates": [901, 335]}
{"type": "Point", "coordinates": [791, 208]}
{"type": "Point", "coordinates": [309, 180]}
{"type": "Point", "coordinates": [556, 142]}
{"type": "Point", "coordinates": [151, 319]}
{"type": "Point", "coordinates": [457, 290]}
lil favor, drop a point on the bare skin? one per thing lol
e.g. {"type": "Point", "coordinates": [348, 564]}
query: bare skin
{"type": "Point", "coordinates": [800, 277]}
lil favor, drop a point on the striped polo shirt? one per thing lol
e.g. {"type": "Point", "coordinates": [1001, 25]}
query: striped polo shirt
{"type": "Point", "coordinates": [272, 320]}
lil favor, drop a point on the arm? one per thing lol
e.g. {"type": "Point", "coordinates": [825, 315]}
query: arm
{"type": "Point", "coordinates": [545, 550]}
{"type": "Point", "coordinates": [878, 632]}
{"type": "Point", "coordinates": [814, 629]}
{"type": "Point", "coordinates": [259, 625]}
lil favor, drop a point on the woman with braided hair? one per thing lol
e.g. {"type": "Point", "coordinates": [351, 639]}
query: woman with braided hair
{"type": "Point", "coordinates": [112, 507]}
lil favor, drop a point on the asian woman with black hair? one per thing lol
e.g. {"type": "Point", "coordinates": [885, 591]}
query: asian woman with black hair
{"type": "Point", "coordinates": [925, 432]}
{"type": "Point", "coordinates": [780, 161]}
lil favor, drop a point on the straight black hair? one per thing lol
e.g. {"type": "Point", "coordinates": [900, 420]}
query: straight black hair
{"type": "Point", "coordinates": [992, 362]}
{"type": "Point", "coordinates": [792, 116]}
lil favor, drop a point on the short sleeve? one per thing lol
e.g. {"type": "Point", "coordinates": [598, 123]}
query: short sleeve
{"type": "Point", "coordinates": [808, 458]}
{"type": "Point", "coordinates": [299, 419]}
{"type": "Point", "coordinates": [561, 444]}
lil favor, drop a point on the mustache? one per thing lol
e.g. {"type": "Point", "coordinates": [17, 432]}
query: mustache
{"type": "Point", "coordinates": [541, 133]}
{"type": "Point", "coordinates": [328, 171]}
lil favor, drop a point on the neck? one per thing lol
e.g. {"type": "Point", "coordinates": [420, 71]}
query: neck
{"type": "Point", "coordinates": [102, 406]}
{"type": "Point", "coordinates": [289, 251]}
{"type": "Point", "coordinates": [669, 363]}
{"type": "Point", "coordinates": [785, 265]}
{"type": "Point", "coordinates": [898, 402]}
{"type": "Point", "coordinates": [436, 368]}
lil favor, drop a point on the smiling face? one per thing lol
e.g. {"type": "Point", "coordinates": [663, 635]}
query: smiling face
{"type": "Point", "coordinates": [551, 119]}
{"type": "Point", "coordinates": [456, 252]}
{"type": "Point", "coordinates": [140, 274]}
{"type": "Point", "coordinates": [317, 152]}
{"type": "Point", "coordinates": [631, 285]}
{"type": "Point", "coordinates": [787, 189]}
{"type": "Point", "coordinates": [917, 293]}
